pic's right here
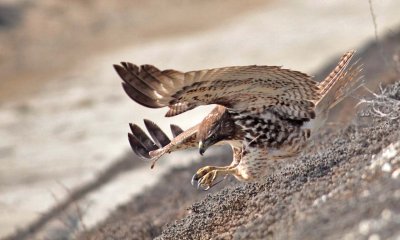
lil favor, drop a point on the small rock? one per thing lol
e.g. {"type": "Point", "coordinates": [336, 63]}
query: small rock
{"type": "Point", "coordinates": [365, 193]}
{"type": "Point", "coordinates": [396, 193]}
{"type": "Point", "coordinates": [386, 214]}
{"type": "Point", "coordinates": [389, 152]}
{"type": "Point", "coordinates": [396, 173]}
{"type": "Point", "coordinates": [364, 227]}
{"type": "Point", "coordinates": [386, 167]}
{"type": "Point", "coordinates": [374, 237]}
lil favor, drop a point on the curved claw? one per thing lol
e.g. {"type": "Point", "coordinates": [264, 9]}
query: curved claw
{"type": "Point", "coordinates": [195, 178]}
{"type": "Point", "coordinates": [206, 188]}
{"type": "Point", "coordinates": [198, 182]}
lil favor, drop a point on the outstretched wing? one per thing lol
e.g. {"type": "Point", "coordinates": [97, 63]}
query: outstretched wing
{"type": "Point", "coordinates": [250, 89]}
{"type": "Point", "coordinates": [160, 144]}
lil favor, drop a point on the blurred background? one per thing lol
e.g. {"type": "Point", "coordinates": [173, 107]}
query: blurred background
{"type": "Point", "coordinates": [63, 113]}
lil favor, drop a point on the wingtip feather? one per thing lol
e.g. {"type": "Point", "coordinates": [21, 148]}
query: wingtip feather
{"type": "Point", "coordinates": [159, 137]}
{"type": "Point", "coordinates": [142, 137]}
{"type": "Point", "coordinates": [176, 130]}
{"type": "Point", "coordinates": [137, 147]}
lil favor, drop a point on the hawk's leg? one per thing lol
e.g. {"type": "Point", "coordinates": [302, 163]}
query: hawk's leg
{"type": "Point", "coordinates": [205, 177]}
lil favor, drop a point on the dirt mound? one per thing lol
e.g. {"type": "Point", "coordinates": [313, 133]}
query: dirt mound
{"type": "Point", "coordinates": [146, 215]}
{"type": "Point", "coordinates": [345, 185]}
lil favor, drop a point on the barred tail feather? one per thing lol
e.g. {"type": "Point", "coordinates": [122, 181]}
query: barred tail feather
{"type": "Point", "coordinates": [339, 84]}
{"type": "Point", "coordinates": [333, 77]}
{"type": "Point", "coordinates": [347, 82]}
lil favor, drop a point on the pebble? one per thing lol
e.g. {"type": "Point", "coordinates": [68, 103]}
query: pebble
{"type": "Point", "coordinates": [364, 227]}
{"type": "Point", "coordinates": [374, 237]}
{"type": "Point", "coordinates": [386, 167]}
{"type": "Point", "coordinates": [386, 214]}
{"type": "Point", "coordinates": [396, 173]}
{"type": "Point", "coordinates": [390, 152]}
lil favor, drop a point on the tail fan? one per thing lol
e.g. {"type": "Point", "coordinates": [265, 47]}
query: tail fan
{"type": "Point", "coordinates": [339, 84]}
{"type": "Point", "coordinates": [333, 77]}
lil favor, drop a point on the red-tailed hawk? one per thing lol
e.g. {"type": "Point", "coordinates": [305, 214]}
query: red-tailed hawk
{"type": "Point", "coordinates": [263, 112]}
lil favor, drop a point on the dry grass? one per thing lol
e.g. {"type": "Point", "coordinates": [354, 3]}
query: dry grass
{"type": "Point", "coordinates": [384, 104]}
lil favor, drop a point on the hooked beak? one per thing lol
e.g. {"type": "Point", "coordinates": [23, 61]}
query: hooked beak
{"type": "Point", "coordinates": [201, 148]}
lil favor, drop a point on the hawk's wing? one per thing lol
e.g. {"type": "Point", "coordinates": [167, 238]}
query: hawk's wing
{"type": "Point", "coordinates": [146, 148]}
{"type": "Point", "coordinates": [250, 89]}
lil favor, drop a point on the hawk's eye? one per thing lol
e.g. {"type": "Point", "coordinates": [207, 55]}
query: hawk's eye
{"type": "Point", "coordinates": [211, 136]}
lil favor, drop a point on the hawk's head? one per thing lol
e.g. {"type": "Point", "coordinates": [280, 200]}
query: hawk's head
{"type": "Point", "coordinates": [217, 126]}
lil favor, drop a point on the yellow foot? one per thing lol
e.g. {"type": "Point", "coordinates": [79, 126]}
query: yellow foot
{"type": "Point", "coordinates": [204, 177]}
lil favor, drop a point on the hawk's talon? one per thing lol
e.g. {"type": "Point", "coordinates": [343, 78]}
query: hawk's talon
{"type": "Point", "coordinates": [194, 179]}
{"type": "Point", "coordinates": [204, 178]}
{"type": "Point", "coordinates": [198, 182]}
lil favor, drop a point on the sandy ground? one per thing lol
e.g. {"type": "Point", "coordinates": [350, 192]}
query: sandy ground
{"type": "Point", "coordinates": [74, 127]}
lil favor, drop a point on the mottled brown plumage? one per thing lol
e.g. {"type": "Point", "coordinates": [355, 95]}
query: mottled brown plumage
{"type": "Point", "coordinates": [263, 112]}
